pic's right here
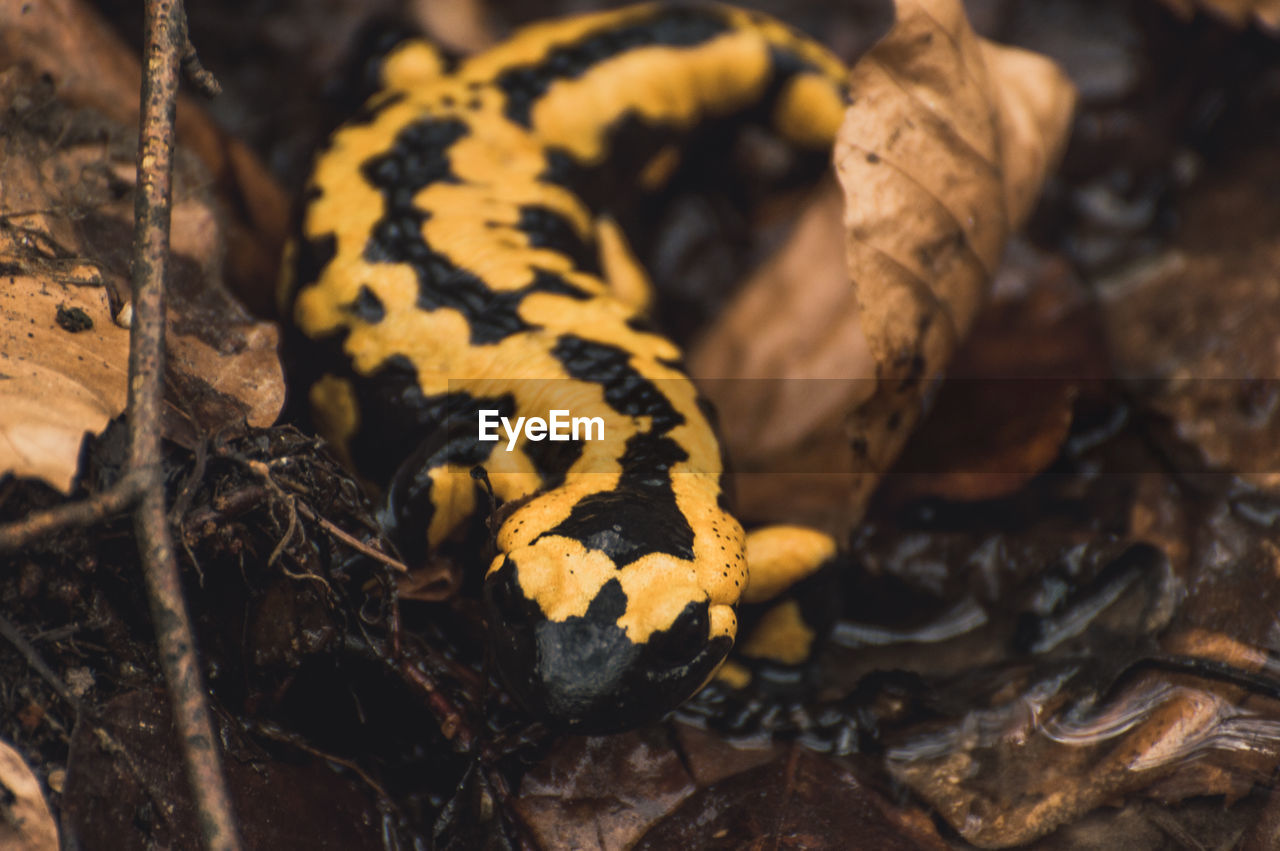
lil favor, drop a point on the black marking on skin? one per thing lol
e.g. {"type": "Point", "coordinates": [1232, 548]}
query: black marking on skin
{"type": "Point", "coordinates": [395, 413]}
{"type": "Point", "coordinates": [367, 307]}
{"type": "Point", "coordinates": [418, 158]}
{"type": "Point", "coordinates": [625, 389]}
{"type": "Point", "coordinates": [640, 515]}
{"type": "Point", "coordinates": [369, 110]}
{"type": "Point", "coordinates": [550, 282]}
{"type": "Point", "coordinates": [548, 229]}
{"type": "Point", "coordinates": [447, 435]}
{"type": "Point", "coordinates": [562, 169]}
{"type": "Point", "coordinates": [785, 64]}
{"type": "Point", "coordinates": [552, 459]}
{"type": "Point", "coordinates": [630, 143]}
{"type": "Point", "coordinates": [523, 85]}
{"type": "Point", "coordinates": [686, 635]}
{"type": "Point", "coordinates": [583, 671]}
{"type": "Point", "coordinates": [313, 255]}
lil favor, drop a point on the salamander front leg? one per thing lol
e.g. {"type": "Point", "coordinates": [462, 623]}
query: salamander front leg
{"type": "Point", "coordinates": [790, 604]}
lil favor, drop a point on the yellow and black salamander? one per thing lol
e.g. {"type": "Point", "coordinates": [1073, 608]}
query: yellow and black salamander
{"type": "Point", "coordinates": [456, 258]}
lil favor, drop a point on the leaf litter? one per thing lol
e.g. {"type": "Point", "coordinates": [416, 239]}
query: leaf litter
{"type": "Point", "coordinates": [1043, 625]}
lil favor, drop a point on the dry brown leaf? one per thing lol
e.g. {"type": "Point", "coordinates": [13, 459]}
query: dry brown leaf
{"type": "Point", "coordinates": [462, 25]}
{"type": "Point", "coordinates": [1012, 387]}
{"type": "Point", "coordinates": [1195, 329]}
{"type": "Point", "coordinates": [770, 364]}
{"type": "Point", "coordinates": [1235, 12]}
{"type": "Point", "coordinates": [25, 821]}
{"type": "Point", "coordinates": [55, 385]}
{"type": "Point", "coordinates": [65, 232]}
{"type": "Point", "coordinates": [71, 43]}
{"type": "Point", "coordinates": [941, 156]}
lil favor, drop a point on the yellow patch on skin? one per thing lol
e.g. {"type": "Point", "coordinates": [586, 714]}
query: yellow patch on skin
{"type": "Point", "coordinates": [561, 575]}
{"type": "Point", "coordinates": [734, 675]}
{"type": "Point", "coordinates": [809, 111]}
{"type": "Point", "coordinates": [781, 635]}
{"type": "Point", "coordinates": [453, 492]}
{"type": "Point", "coordinates": [337, 415]}
{"type": "Point", "coordinates": [780, 556]}
{"type": "Point", "coordinates": [411, 64]}
{"type": "Point", "coordinates": [628, 282]}
{"type": "Point", "coordinates": [667, 85]}
{"type": "Point", "coordinates": [658, 170]}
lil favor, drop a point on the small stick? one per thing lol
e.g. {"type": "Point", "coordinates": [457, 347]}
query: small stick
{"type": "Point", "coordinates": [164, 38]}
{"type": "Point", "coordinates": [86, 512]}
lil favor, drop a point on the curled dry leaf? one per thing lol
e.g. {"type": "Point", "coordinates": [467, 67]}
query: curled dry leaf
{"type": "Point", "coordinates": [941, 156]}
{"type": "Point", "coordinates": [25, 821]}
{"type": "Point", "coordinates": [1236, 12]}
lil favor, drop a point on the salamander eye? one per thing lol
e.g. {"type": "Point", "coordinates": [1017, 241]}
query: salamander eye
{"type": "Point", "coordinates": [686, 638]}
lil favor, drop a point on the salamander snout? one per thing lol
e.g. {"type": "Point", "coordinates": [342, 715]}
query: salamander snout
{"type": "Point", "coordinates": [585, 671]}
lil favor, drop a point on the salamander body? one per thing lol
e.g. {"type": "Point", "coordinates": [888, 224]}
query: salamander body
{"type": "Point", "coordinates": [454, 258]}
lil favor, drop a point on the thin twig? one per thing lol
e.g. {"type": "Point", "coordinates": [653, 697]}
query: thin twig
{"type": "Point", "coordinates": [263, 471]}
{"type": "Point", "coordinates": [192, 68]}
{"type": "Point", "coordinates": [164, 38]}
{"type": "Point", "coordinates": [274, 733]}
{"type": "Point", "coordinates": [11, 634]}
{"type": "Point", "coordinates": [20, 533]}
{"type": "Point", "coordinates": [352, 541]}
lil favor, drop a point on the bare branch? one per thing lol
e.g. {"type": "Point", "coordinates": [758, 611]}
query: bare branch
{"type": "Point", "coordinates": [165, 39]}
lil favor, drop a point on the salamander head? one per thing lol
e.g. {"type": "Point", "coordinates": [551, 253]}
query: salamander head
{"type": "Point", "coordinates": [599, 648]}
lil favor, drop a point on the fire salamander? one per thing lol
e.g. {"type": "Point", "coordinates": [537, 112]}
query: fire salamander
{"type": "Point", "coordinates": [456, 257]}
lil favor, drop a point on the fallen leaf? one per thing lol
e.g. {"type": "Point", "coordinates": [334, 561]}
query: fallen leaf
{"type": "Point", "coordinates": [782, 364]}
{"type": "Point", "coordinates": [66, 181]}
{"type": "Point", "coordinates": [1194, 330]}
{"type": "Point", "coordinates": [1011, 393]}
{"type": "Point", "coordinates": [25, 821]}
{"type": "Point", "coordinates": [462, 25]}
{"type": "Point", "coordinates": [71, 43]}
{"type": "Point", "coordinates": [941, 156]}
{"type": "Point", "coordinates": [56, 387]}
{"type": "Point", "coordinates": [602, 791]}
{"type": "Point", "coordinates": [801, 800]}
